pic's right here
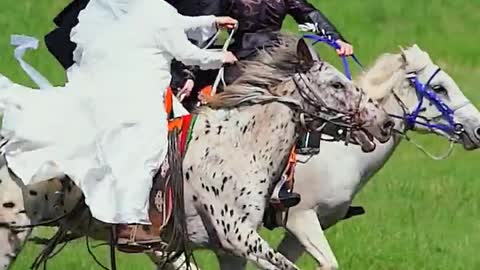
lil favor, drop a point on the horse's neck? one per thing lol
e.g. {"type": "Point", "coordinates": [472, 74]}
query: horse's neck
{"type": "Point", "coordinates": [266, 131]}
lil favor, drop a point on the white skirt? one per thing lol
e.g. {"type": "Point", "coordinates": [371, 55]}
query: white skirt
{"type": "Point", "coordinates": [110, 144]}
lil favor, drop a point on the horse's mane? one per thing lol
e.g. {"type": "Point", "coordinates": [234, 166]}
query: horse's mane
{"type": "Point", "coordinates": [380, 78]}
{"type": "Point", "coordinates": [261, 76]}
{"type": "Point", "coordinates": [389, 70]}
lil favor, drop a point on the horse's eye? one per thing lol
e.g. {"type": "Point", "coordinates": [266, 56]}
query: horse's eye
{"type": "Point", "coordinates": [338, 85]}
{"type": "Point", "coordinates": [440, 90]}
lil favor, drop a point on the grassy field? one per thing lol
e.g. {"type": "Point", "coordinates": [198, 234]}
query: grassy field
{"type": "Point", "coordinates": [421, 214]}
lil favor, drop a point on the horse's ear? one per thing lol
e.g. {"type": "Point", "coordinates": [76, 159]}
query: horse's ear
{"type": "Point", "coordinates": [304, 54]}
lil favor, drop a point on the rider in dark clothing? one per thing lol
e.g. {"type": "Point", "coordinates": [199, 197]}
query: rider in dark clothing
{"type": "Point", "coordinates": [260, 23]}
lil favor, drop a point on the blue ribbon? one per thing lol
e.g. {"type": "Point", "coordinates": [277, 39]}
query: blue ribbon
{"type": "Point", "coordinates": [332, 43]}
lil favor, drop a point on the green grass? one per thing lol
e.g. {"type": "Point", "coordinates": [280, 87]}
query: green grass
{"type": "Point", "coordinates": [421, 214]}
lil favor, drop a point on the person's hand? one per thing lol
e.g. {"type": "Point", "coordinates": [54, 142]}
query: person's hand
{"type": "Point", "coordinates": [229, 58]}
{"type": "Point", "coordinates": [186, 89]}
{"type": "Point", "coordinates": [226, 22]}
{"type": "Point", "coordinates": [345, 48]}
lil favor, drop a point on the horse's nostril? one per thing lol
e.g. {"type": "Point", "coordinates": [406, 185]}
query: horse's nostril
{"type": "Point", "coordinates": [388, 125]}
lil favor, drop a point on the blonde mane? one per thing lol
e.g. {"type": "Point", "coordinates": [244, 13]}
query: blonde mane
{"type": "Point", "coordinates": [389, 71]}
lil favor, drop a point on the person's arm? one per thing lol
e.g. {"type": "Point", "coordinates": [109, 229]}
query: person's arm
{"type": "Point", "coordinates": [175, 42]}
{"type": "Point", "coordinates": [304, 12]}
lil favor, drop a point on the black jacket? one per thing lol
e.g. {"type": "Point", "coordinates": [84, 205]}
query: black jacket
{"type": "Point", "coordinates": [261, 21]}
{"type": "Point", "coordinates": [58, 41]}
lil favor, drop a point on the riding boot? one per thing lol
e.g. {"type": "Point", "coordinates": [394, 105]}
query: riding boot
{"type": "Point", "coordinates": [308, 143]}
{"type": "Point", "coordinates": [354, 211]}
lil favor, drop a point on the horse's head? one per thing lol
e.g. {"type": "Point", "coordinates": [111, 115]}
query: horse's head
{"type": "Point", "coordinates": [320, 87]}
{"type": "Point", "coordinates": [424, 97]}
{"type": "Point", "coordinates": [322, 97]}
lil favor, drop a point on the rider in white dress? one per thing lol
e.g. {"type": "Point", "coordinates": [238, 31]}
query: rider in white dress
{"type": "Point", "coordinates": [107, 128]}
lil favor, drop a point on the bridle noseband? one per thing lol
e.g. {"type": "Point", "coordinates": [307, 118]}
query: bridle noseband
{"type": "Point", "coordinates": [425, 93]}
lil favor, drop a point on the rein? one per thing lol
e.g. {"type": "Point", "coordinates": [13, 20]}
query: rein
{"type": "Point", "coordinates": [332, 43]}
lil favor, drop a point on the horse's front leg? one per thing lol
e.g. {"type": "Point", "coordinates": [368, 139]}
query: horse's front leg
{"type": "Point", "coordinates": [304, 225]}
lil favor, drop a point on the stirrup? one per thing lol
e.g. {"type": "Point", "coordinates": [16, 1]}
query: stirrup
{"type": "Point", "coordinates": [283, 202]}
{"type": "Point", "coordinates": [136, 239]}
{"type": "Point", "coordinates": [308, 151]}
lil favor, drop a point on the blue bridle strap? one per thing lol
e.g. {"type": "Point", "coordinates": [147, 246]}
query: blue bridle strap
{"type": "Point", "coordinates": [424, 91]}
{"type": "Point", "coordinates": [332, 43]}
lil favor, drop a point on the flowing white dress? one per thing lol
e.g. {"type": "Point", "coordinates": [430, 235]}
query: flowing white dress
{"type": "Point", "coordinates": [107, 128]}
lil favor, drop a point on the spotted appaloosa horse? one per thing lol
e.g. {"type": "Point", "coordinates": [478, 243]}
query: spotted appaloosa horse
{"type": "Point", "coordinates": [241, 144]}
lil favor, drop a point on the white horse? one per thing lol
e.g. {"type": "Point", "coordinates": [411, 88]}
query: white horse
{"type": "Point", "coordinates": [329, 181]}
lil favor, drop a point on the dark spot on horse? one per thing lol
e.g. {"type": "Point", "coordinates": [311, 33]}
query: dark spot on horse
{"type": "Point", "coordinates": [187, 175]}
{"type": "Point", "coordinates": [260, 193]}
{"type": "Point", "coordinates": [207, 188]}
{"type": "Point", "coordinates": [207, 124]}
{"type": "Point", "coordinates": [239, 238]}
{"type": "Point", "coordinates": [271, 164]}
{"type": "Point", "coordinates": [207, 131]}
{"type": "Point", "coordinates": [33, 192]}
{"type": "Point", "coordinates": [45, 197]}
{"type": "Point", "coordinates": [195, 198]}
{"type": "Point", "coordinates": [244, 218]}
{"type": "Point", "coordinates": [231, 213]}
{"type": "Point", "coordinates": [22, 211]}
{"type": "Point", "coordinates": [254, 158]}
{"type": "Point", "coordinates": [219, 130]}
{"type": "Point", "coordinates": [214, 174]}
{"type": "Point", "coordinates": [263, 181]}
{"type": "Point", "coordinates": [205, 207]}
{"type": "Point", "coordinates": [224, 180]}
{"type": "Point", "coordinates": [270, 255]}
{"type": "Point", "coordinates": [9, 205]}
{"type": "Point", "coordinates": [196, 138]}
{"type": "Point", "coordinates": [237, 123]}
{"type": "Point", "coordinates": [244, 207]}
{"type": "Point", "coordinates": [211, 210]}
{"type": "Point", "coordinates": [244, 129]}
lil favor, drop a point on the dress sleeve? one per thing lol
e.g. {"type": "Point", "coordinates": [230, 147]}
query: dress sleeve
{"type": "Point", "coordinates": [304, 12]}
{"type": "Point", "coordinates": [200, 28]}
{"type": "Point", "coordinates": [174, 41]}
